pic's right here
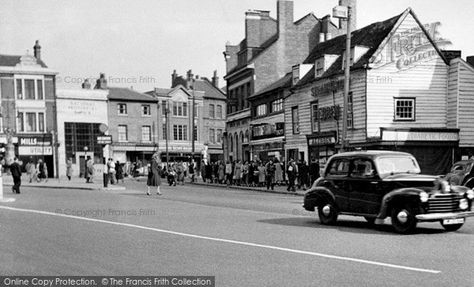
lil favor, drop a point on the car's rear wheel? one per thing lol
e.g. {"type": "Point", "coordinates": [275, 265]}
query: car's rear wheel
{"type": "Point", "coordinates": [327, 213]}
{"type": "Point", "coordinates": [403, 219]}
{"type": "Point", "coordinates": [452, 227]}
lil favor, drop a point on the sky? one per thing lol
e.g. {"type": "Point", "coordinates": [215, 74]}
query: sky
{"type": "Point", "coordinates": [138, 44]}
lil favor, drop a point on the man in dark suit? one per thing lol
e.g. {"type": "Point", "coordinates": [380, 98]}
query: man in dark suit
{"type": "Point", "coordinates": [15, 170]}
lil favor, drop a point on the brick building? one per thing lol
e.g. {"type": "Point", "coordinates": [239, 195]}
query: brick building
{"type": "Point", "coordinates": [267, 53]}
{"type": "Point", "coordinates": [133, 123]}
{"type": "Point", "coordinates": [175, 116]}
{"type": "Point", "coordinates": [28, 109]}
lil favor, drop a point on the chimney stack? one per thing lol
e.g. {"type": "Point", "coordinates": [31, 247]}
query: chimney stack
{"type": "Point", "coordinates": [470, 60]}
{"type": "Point", "coordinates": [173, 77]}
{"type": "Point", "coordinates": [86, 84]}
{"type": "Point", "coordinates": [215, 80]}
{"type": "Point", "coordinates": [284, 15]}
{"type": "Point", "coordinates": [101, 83]}
{"type": "Point", "coordinates": [37, 50]}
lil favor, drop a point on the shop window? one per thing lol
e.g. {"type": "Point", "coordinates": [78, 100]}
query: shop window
{"type": "Point", "coordinates": [122, 109]}
{"type": "Point", "coordinates": [122, 133]}
{"type": "Point", "coordinates": [404, 109]}
{"type": "Point", "coordinates": [295, 120]}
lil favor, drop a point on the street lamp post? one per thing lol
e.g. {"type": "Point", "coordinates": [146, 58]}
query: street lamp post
{"type": "Point", "coordinates": [344, 12]}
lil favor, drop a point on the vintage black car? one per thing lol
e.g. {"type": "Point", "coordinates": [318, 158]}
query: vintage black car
{"type": "Point", "coordinates": [462, 173]}
{"type": "Point", "coordinates": [381, 184]}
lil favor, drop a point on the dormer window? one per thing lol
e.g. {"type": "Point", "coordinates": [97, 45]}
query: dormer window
{"type": "Point", "coordinates": [299, 71]}
{"type": "Point", "coordinates": [356, 53]}
{"type": "Point", "coordinates": [319, 67]}
{"type": "Point", "coordinates": [323, 63]}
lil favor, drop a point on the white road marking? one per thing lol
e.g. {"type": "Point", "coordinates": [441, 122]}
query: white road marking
{"type": "Point", "coordinates": [227, 240]}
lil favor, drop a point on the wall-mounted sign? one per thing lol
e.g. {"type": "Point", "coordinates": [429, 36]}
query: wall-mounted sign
{"type": "Point", "coordinates": [329, 113]}
{"type": "Point", "coordinates": [35, 150]}
{"type": "Point", "coordinates": [104, 139]}
{"type": "Point", "coordinates": [326, 87]}
{"type": "Point", "coordinates": [35, 141]}
{"type": "Point", "coordinates": [419, 136]}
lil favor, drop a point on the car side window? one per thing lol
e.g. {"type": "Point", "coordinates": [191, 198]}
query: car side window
{"type": "Point", "coordinates": [339, 167]}
{"type": "Point", "coordinates": [362, 168]}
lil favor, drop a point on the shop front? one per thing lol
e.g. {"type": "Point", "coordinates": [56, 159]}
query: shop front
{"type": "Point", "coordinates": [36, 147]}
{"type": "Point", "coordinates": [321, 146]}
{"type": "Point", "coordinates": [268, 150]}
{"type": "Point", "coordinates": [434, 149]}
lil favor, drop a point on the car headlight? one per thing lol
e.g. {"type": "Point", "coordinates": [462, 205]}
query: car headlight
{"type": "Point", "coordinates": [463, 204]}
{"type": "Point", "coordinates": [424, 196]}
{"type": "Point", "coordinates": [470, 194]}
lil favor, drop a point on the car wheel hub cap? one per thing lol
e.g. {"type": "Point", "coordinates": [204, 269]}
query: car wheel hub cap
{"type": "Point", "coordinates": [402, 216]}
{"type": "Point", "coordinates": [326, 210]}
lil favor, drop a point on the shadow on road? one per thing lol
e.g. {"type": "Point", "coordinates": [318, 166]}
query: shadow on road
{"type": "Point", "coordinates": [360, 227]}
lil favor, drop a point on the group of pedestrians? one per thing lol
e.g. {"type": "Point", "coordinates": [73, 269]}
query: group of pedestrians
{"type": "Point", "coordinates": [261, 173]}
{"type": "Point", "coordinates": [35, 171]}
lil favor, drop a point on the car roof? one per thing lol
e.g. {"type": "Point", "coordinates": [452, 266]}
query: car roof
{"type": "Point", "coordinates": [371, 153]}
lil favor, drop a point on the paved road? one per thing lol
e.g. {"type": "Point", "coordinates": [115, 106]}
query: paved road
{"type": "Point", "coordinates": [243, 238]}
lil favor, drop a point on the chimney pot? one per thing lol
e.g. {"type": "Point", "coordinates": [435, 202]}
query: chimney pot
{"type": "Point", "coordinates": [37, 50]}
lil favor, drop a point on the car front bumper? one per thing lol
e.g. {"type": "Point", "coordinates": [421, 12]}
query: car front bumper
{"type": "Point", "coordinates": [441, 216]}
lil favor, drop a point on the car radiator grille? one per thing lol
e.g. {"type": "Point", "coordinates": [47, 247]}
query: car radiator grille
{"type": "Point", "coordinates": [443, 203]}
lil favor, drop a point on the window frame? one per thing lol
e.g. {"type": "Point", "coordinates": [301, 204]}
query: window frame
{"type": "Point", "coordinates": [120, 133]}
{"type": "Point", "coordinates": [122, 109]}
{"type": "Point", "coordinates": [277, 103]}
{"type": "Point", "coordinates": [147, 140]}
{"type": "Point", "coordinates": [295, 125]}
{"type": "Point", "coordinates": [413, 107]}
{"type": "Point", "coordinates": [261, 110]}
{"type": "Point", "coordinates": [212, 111]}
{"type": "Point", "coordinates": [146, 108]}
{"type": "Point", "coordinates": [39, 121]}
{"type": "Point", "coordinates": [22, 86]}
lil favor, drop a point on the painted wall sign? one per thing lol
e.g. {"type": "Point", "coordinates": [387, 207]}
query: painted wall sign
{"type": "Point", "coordinates": [35, 150]}
{"type": "Point", "coordinates": [326, 87]}
{"type": "Point", "coordinates": [329, 113]}
{"type": "Point", "coordinates": [409, 47]}
{"type": "Point", "coordinates": [419, 136]}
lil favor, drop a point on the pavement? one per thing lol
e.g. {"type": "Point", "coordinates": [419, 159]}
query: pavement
{"type": "Point", "coordinates": [74, 183]}
{"type": "Point", "coordinates": [80, 183]}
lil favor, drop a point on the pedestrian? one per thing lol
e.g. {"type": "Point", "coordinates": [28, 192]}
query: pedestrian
{"type": "Point", "coordinates": [180, 172]}
{"type": "Point", "coordinates": [215, 172]}
{"type": "Point", "coordinates": [42, 171]}
{"type": "Point", "coordinates": [228, 173]}
{"type": "Point", "coordinates": [171, 174]}
{"type": "Point", "coordinates": [89, 170]}
{"type": "Point", "coordinates": [278, 172]}
{"type": "Point", "coordinates": [270, 175]}
{"type": "Point", "coordinates": [191, 169]}
{"type": "Point", "coordinates": [303, 174]}
{"type": "Point", "coordinates": [68, 168]}
{"type": "Point", "coordinates": [261, 174]}
{"type": "Point", "coordinates": [15, 169]}
{"type": "Point", "coordinates": [154, 175]}
{"type": "Point", "coordinates": [291, 172]}
{"type": "Point", "coordinates": [31, 170]}
{"type": "Point", "coordinates": [221, 172]}
{"type": "Point", "coordinates": [313, 170]}
{"type": "Point", "coordinates": [119, 172]}
{"type": "Point", "coordinates": [112, 171]}
{"type": "Point", "coordinates": [208, 171]}
{"type": "Point", "coordinates": [237, 172]}
{"type": "Point", "coordinates": [245, 173]}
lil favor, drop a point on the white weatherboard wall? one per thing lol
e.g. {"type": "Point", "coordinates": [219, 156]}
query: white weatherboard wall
{"type": "Point", "coordinates": [461, 101]}
{"type": "Point", "coordinates": [425, 79]}
{"type": "Point", "coordinates": [79, 106]}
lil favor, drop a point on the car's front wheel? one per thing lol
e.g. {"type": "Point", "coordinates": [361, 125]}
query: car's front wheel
{"type": "Point", "coordinates": [327, 213]}
{"type": "Point", "coordinates": [452, 227]}
{"type": "Point", "coordinates": [403, 219]}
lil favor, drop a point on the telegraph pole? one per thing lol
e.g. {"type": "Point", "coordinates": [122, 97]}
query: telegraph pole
{"type": "Point", "coordinates": [344, 12]}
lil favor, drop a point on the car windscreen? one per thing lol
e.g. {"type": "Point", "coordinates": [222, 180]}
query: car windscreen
{"type": "Point", "coordinates": [389, 165]}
